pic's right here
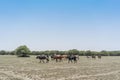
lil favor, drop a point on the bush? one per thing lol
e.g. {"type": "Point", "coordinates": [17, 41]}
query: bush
{"type": "Point", "coordinates": [22, 51]}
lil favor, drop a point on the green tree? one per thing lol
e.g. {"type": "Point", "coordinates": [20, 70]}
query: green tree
{"type": "Point", "coordinates": [11, 52]}
{"type": "Point", "coordinates": [22, 51]}
{"type": "Point", "coordinates": [82, 53]}
{"type": "Point", "coordinates": [104, 53]}
{"type": "Point", "coordinates": [73, 51]}
{"type": "Point", "coordinates": [88, 53]}
{"type": "Point", "coordinates": [2, 52]}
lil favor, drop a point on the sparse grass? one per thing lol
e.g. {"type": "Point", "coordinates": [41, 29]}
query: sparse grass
{"type": "Point", "coordinates": [14, 68]}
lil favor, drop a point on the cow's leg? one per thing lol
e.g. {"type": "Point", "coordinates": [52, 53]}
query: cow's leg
{"type": "Point", "coordinates": [71, 61]}
{"type": "Point", "coordinates": [75, 61]}
{"type": "Point", "coordinates": [47, 60]}
{"type": "Point", "coordinates": [60, 59]}
{"type": "Point", "coordinates": [43, 61]}
{"type": "Point", "coordinates": [68, 61]}
{"type": "Point", "coordinates": [40, 60]}
{"type": "Point", "coordinates": [56, 60]}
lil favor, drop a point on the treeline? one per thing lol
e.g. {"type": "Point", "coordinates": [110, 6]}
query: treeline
{"type": "Point", "coordinates": [73, 51]}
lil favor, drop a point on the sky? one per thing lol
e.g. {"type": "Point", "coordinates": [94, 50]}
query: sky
{"type": "Point", "coordinates": [60, 24]}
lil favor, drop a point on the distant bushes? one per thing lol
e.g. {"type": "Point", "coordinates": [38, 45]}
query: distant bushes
{"type": "Point", "coordinates": [3, 52]}
{"type": "Point", "coordinates": [81, 53]}
{"type": "Point", "coordinates": [23, 51]}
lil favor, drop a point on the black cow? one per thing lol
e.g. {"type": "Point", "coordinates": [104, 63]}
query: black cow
{"type": "Point", "coordinates": [72, 58]}
{"type": "Point", "coordinates": [42, 58]}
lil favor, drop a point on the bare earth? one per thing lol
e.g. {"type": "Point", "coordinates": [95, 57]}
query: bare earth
{"type": "Point", "coordinates": [14, 68]}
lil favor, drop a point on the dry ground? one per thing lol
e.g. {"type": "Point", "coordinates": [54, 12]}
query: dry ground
{"type": "Point", "coordinates": [14, 68]}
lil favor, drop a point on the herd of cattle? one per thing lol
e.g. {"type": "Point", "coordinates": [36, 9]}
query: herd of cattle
{"type": "Point", "coordinates": [58, 58]}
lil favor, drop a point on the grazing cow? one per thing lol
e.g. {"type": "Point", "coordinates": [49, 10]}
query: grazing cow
{"type": "Point", "coordinates": [93, 56]}
{"type": "Point", "coordinates": [42, 58]}
{"type": "Point", "coordinates": [77, 57]}
{"type": "Point", "coordinates": [72, 58]}
{"type": "Point", "coordinates": [88, 56]}
{"type": "Point", "coordinates": [65, 57]}
{"type": "Point", "coordinates": [57, 57]}
{"type": "Point", "coordinates": [99, 56]}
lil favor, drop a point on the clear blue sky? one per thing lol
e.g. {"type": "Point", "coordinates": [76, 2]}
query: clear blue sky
{"type": "Point", "coordinates": [60, 24]}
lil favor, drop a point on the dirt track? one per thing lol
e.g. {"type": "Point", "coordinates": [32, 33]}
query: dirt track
{"type": "Point", "coordinates": [13, 68]}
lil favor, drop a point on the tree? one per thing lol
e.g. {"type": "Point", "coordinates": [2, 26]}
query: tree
{"type": "Point", "coordinates": [82, 53]}
{"type": "Point", "coordinates": [11, 53]}
{"type": "Point", "coordinates": [73, 51]}
{"type": "Point", "coordinates": [22, 51]}
{"type": "Point", "coordinates": [88, 53]}
{"type": "Point", "coordinates": [2, 52]}
{"type": "Point", "coordinates": [104, 53]}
